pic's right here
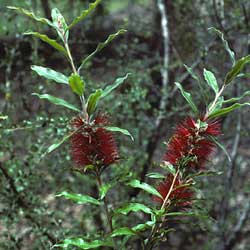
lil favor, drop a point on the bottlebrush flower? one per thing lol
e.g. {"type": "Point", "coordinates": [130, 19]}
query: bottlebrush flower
{"type": "Point", "coordinates": [92, 144]}
{"type": "Point", "coordinates": [190, 142]}
{"type": "Point", "coordinates": [180, 195]}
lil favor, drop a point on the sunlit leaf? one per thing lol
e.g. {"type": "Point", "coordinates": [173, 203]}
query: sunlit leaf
{"type": "Point", "coordinates": [100, 46]}
{"type": "Point", "coordinates": [227, 110]}
{"type": "Point", "coordinates": [93, 101]}
{"type": "Point", "coordinates": [3, 117]}
{"type": "Point", "coordinates": [225, 43]}
{"type": "Point", "coordinates": [133, 207]}
{"type": "Point", "coordinates": [211, 80]}
{"type": "Point", "coordinates": [76, 84]}
{"type": "Point", "coordinates": [79, 198]}
{"type": "Point", "coordinates": [31, 15]}
{"type": "Point", "coordinates": [113, 86]}
{"type": "Point", "coordinates": [50, 74]}
{"type": "Point", "coordinates": [142, 227]}
{"type": "Point", "coordinates": [60, 24]}
{"type": "Point", "coordinates": [156, 175]}
{"type": "Point", "coordinates": [49, 41]}
{"type": "Point", "coordinates": [122, 231]}
{"type": "Point", "coordinates": [83, 244]}
{"type": "Point", "coordinates": [236, 69]}
{"type": "Point", "coordinates": [104, 189]}
{"type": "Point", "coordinates": [121, 130]}
{"type": "Point", "coordinates": [144, 186]}
{"type": "Point", "coordinates": [57, 101]}
{"type": "Point", "coordinates": [235, 99]}
{"type": "Point", "coordinates": [168, 166]}
{"type": "Point", "coordinates": [188, 97]}
{"type": "Point", "coordinates": [84, 14]}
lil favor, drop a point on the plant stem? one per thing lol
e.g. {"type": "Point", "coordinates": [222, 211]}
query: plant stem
{"type": "Point", "coordinates": [214, 102]}
{"type": "Point", "coordinates": [105, 205]}
{"type": "Point", "coordinates": [82, 99]}
{"type": "Point", "coordinates": [156, 227]}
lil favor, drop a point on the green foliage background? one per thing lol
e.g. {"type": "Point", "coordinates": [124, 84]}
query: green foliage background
{"type": "Point", "coordinates": [31, 217]}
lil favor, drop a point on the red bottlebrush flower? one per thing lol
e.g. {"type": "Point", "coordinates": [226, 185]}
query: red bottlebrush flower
{"type": "Point", "coordinates": [190, 142]}
{"type": "Point", "coordinates": [91, 144]}
{"type": "Point", "coordinates": [180, 195]}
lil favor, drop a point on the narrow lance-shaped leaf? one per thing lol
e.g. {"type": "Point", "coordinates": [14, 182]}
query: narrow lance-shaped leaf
{"type": "Point", "coordinates": [144, 186]}
{"type": "Point", "coordinates": [84, 14]}
{"type": "Point", "coordinates": [188, 97]}
{"type": "Point", "coordinates": [235, 99]}
{"type": "Point", "coordinates": [237, 68]}
{"type": "Point", "coordinates": [133, 207]}
{"type": "Point", "coordinates": [50, 74]}
{"type": "Point", "coordinates": [225, 43]}
{"type": "Point", "coordinates": [122, 231]}
{"type": "Point", "coordinates": [100, 46]}
{"type": "Point", "coordinates": [113, 86]}
{"type": "Point", "coordinates": [79, 198]}
{"type": "Point", "coordinates": [58, 144]}
{"type": "Point", "coordinates": [211, 80]}
{"type": "Point", "coordinates": [121, 130]}
{"type": "Point", "coordinates": [156, 175]}
{"type": "Point", "coordinates": [31, 15]}
{"type": "Point", "coordinates": [60, 24]}
{"type": "Point", "coordinates": [57, 101]}
{"type": "Point", "coordinates": [83, 244]}
{"type": "Point", "coordinates": [76, 84]}
{"type": "Point", "coordinates": [49, 41]}
{"type": "Point", "coordinates": [93, 101]}
{"type": "Point", "coordinates": [212, 138]}
{"type": "Point", "coordinates": [3, 117]}
{"type": "Point", "coordinates": [227, 110]}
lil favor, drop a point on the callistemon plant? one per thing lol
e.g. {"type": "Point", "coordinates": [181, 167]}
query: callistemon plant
{"type": "Point", "coordinates": [93, 148]}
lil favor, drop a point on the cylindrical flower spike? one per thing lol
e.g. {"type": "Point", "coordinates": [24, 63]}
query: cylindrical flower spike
{"type": "Point", "coordinates": [92, 144]}
{"type": "Point", "coordinates": [181, 194]}
{"type": "Point", "coordinates": [190, 143]}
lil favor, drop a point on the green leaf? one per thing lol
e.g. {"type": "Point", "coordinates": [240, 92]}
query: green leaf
{"type": "Point", "coordinates": [211, 80]}
{"type": "Point", "coordinates": [168, 166]}
{"type": "Point", "coordinates": [50, 74]}
{"type": "Point", "coordinates": [205, 173]}
{"type": "Point", "coordinates": [155, 175]}
{"type": "Point", "coordinates": [144, 186]}
{"type": "Point", "coordinates": [237, 68]}
{"type": "Point", "coordinates": [93, 101]}
{"type": "Point", "coordinates": [116, 84]}
{"type": "Point", "coordinates": [121, 130]}
{"type": "Point", "coordinates": [133, 207]}
{"type": "Point", "coordinates": [79, 198]}
{"type": "Point", "coordinates": [191, 72]}
{"type": "Point", "coordinates": [100, 46]}
{"type": "Point", "coordinates": [142, 227]}
{"type": "Point", "coordinates": [31, 15]}
{"type": "Point", "coordinates": [122, 231]}
{"type": "Point", "coordinates": [227, 110]}
{"type": "Point", "coordinates": [84, 14]}
{"type": "Point", "coordinates": [188, 97]}
{"type": "Point", "coordinates": [104, 189]}
{"type": "Point", "coordinates": [57, 101]}
{"type": "Point", "coordinates": [225, 43]}
{"type": "Point", "coordinates": [60, 24]}
{"type": "Point", "coordinates": [235, 99]}
{"type": "Point", "coordinates": [48, 40]}
{"type": "Point", "coordinates": [212, 138]}
{"type": "Point", "coordinates": [82, 244]}
{"type": "Point", "coordinates": [76, 84]}
{"type": "Point", "coordinates": [58, 144]}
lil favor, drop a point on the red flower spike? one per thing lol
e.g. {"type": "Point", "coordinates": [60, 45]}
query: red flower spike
{"type": "Point", "coordinates": [92, 144]}
{"type": "Point", "coordinates": [190, 141]}
{"type": "Point", "coordinates": [180, 195]}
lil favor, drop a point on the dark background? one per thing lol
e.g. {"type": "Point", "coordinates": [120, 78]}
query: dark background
{"type": "Point", "coordinates": [31, 217]}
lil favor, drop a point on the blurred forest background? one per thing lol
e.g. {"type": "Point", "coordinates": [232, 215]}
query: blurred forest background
{"type": "Point", "coordinates": [148, 105]}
